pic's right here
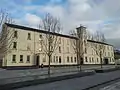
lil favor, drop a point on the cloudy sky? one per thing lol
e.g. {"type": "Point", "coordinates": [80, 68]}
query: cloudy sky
{"type": "Point", "coordinates": [101, 15]}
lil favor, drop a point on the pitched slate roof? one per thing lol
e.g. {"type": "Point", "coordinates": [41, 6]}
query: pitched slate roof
{"type": "Point", "coordinates": [37, 30]}
{"type": "Point", "coordinates": [99, 42]}
{"type": "Point", "coordinates": [43, 31]}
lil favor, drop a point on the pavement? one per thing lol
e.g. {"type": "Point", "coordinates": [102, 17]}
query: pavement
{"type": "Point", "coordinates": [82, 83]}
{"type": "Point", "coordinates": [4, 74]}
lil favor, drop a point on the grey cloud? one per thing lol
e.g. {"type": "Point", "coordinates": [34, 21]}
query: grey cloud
{"type": "Point", "coordinates": [91, 13]}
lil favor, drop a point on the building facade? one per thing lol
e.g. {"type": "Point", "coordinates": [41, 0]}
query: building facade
{"type": "Point", "coordinates": [24, 48]}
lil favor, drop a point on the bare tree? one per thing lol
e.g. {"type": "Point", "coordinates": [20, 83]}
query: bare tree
{"type": "Point", "coordinates": [99, 48]}
{"type": "Point", "coordinates": [74, 45]}
{"type": "Point", "coordinates": [5, 34]}
{"type": "Point", "coordinates": [99, 36]}
{"type": "Point", "coordinates": [50, 40]}
{"type": "Point", "coordinates": [74, 41]}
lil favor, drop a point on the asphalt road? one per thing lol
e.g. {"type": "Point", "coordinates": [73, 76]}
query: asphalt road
{"type": "Point", "coordinates": [114, 86]}
{"type": "Point", "coordinates": [43, 71]}
{"type": "Point", "coordinates": [76, 83]}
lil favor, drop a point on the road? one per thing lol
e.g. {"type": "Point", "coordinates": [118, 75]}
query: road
{"type": "Point", "coordinates": [114, 86]}
{"type": "Point", "coordinates": [76, 83]}
{"type": "Point", "coordinates": [43, 71]}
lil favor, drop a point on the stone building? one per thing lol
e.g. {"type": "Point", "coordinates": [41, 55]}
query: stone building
{"type": "Point", "coordinates": [23, 48]}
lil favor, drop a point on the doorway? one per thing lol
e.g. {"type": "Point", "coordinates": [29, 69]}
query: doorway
{"type": "Point", "coordinates": [106, 60]}
{"type": "Point", "coordinates": [37, 60]}
{"type": "Point", "coordinates": [81, 61]}
{"type": "Point", "coordinates": [1, 61]}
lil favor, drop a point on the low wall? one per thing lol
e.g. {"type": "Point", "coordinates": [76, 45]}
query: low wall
{"type": "Point", "coordinates": [106, 70]}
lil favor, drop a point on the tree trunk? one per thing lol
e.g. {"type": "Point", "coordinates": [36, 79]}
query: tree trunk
{"type": "Point", "coordinates": [80, 64]}
{"type": "Point", "coordinates": [116, 62]}
{"type": "Point", "coordinates": [101, 63]}
{"type": "Point", "coordinates": [78, 61]}
{"type": "Point", "coordinates": [49, 59]}
{"type": "Point", "coordinates": [80, 55]}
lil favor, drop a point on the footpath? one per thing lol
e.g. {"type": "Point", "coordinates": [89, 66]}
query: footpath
{"type": "Point", "coordinates": [24, 81]}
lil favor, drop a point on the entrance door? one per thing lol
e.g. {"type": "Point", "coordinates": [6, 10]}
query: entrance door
{"type": "Point", "coordinates": [106, 61]}
{"type": "Point", "coordinates": [0, 62]}
{"type": "Point", "coordinates": [81, 61]}
{"type": "Point", "coordinates": [37, 60]}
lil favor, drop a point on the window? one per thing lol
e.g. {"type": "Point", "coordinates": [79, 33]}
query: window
{"type": "Point", "coordinates": [112, 53]}
{"type": "Point", "coordinates": [85, 50]}
{"type": "Point", "coordinates": [51, 60]}
{"type": "Point", "coordinates": [71, 59]}
{"type": "Point", "coordinates": [59, 49]}
{"type": "Point", "coordinates": [40, 36]}
{"type": "Point", "coordinates": [67, 59]}
{"type": "Point", "coordinates": [67, 49]}
{"type": "Point", "coordinates": [21, 58]}
{"type": "Point", "coordinates": [28, 47]}
{"type": "Point", "coordinates": [59, 59]}
{"type": "Point", "coordinates": [105, 53]}
{"type": "Point", "coordinates": [44, 60]}
{"type": "Point", "coordinates": [67, 42]}
{"type": "Point", "coordinates": [15, 34]}
{"type": "Point", "coordinates": [14, 58]}
{"type": "Point", "coordinates": [74, 59]}
{"type": "Point", "coordinates": [90, 59]}
{"type": "Point", "coordinates": [86, 59]}
{"type": "Point", "coordinates": [112, 59]}
{"type": "Point", "coordinates": [28, 58]}
{"type": "Point", "coordinates": [40, 48]}
{"type": "Point", "coordinates": [56, 58]}
{"type": "Point", "coordinates": [59, 40]}
{"type": "Point", "coordinates": [29, 36]}
{"type": "Point", "coordinates": [97, 60]}
{"type": "Point", "coordinates": [14, 45]}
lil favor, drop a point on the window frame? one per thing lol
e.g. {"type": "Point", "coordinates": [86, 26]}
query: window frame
{"type": "Point", "coordinates": [68, 59]}
{"type": "Point", "coordinates": [90, 59]}
{"type": "Point", "coordinates": [21, 58]}
{"type": "Point", "coordinates": [56, 59]}
{"type": "Point", "coordinates": [40, 36]}
{"type": "Point", "coordinates": [75, 59]}
{"type": "Point", "coordinates": [28, 59]}
{"type": "Point", "coordinates": [14, 45]}
{"type": "Point", "coordinates": [14, 58]}
{"type": "Point", "coordinates": [59, 49]}
{"type": "Point", "coordinates": [86, 60]}
{"type": "Point", "coordinates": [60, 59]}
{"type": "Point", "coordinates": [60, 40]}
{"type": "Point", "coordinates": [15, 34]}
{"type": "Point", "coordinates": [29, 36]}
{"type": "Point", "coordinates": [71, 59]}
